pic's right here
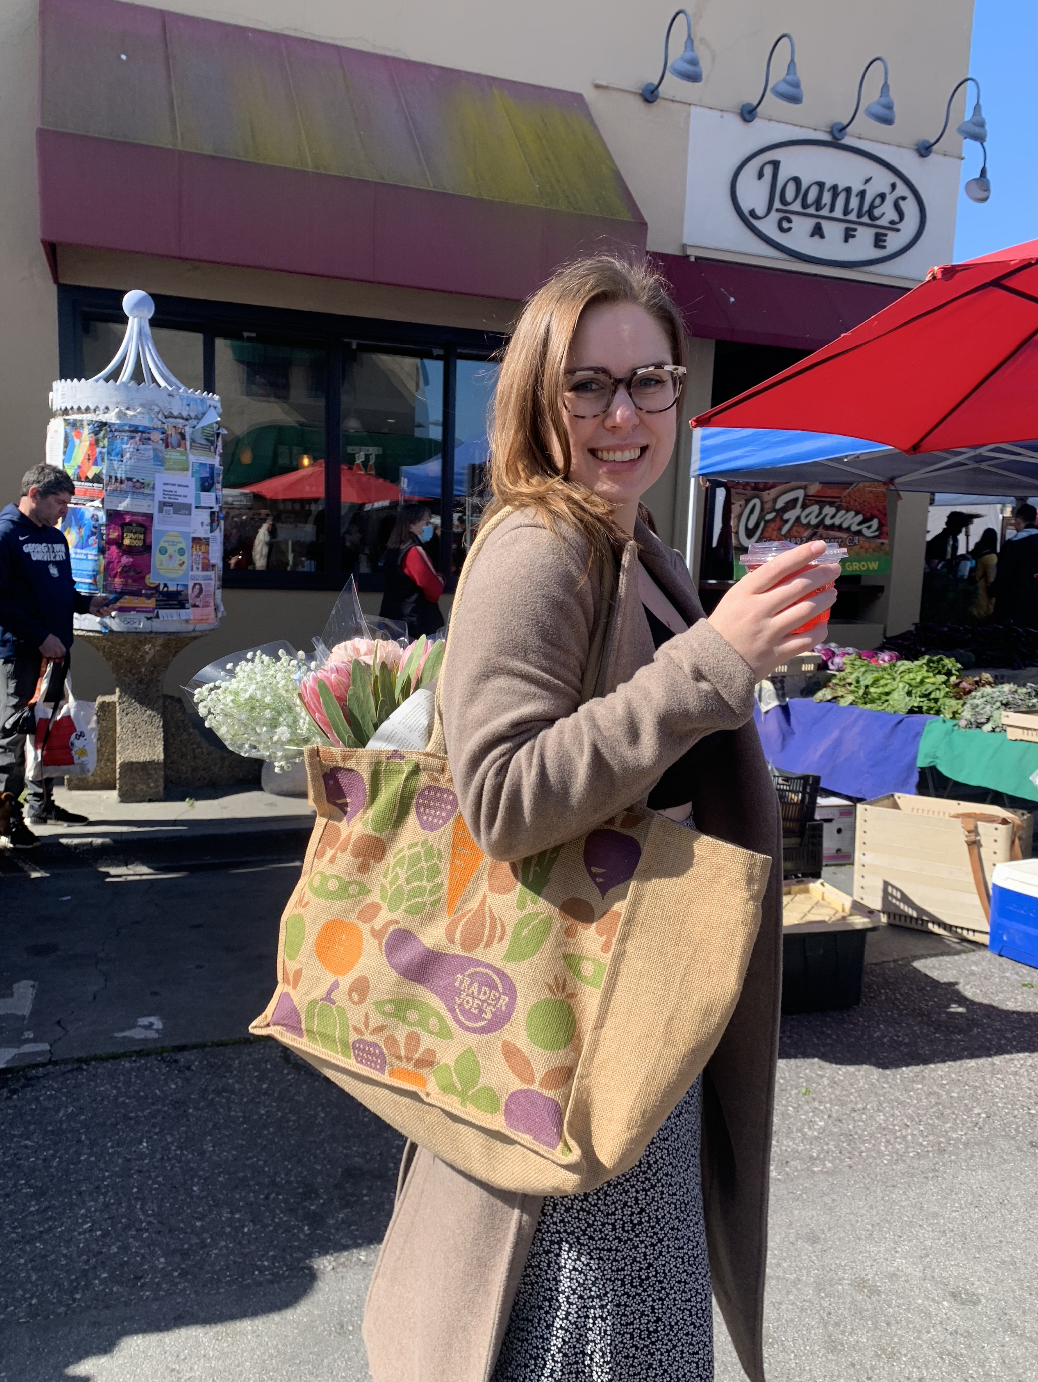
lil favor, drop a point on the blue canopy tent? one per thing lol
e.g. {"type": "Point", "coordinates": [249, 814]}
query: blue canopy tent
{"type": "Point", "coordinates": [423, 481]}
{"type": "Point", "coordinates": [725, 452]}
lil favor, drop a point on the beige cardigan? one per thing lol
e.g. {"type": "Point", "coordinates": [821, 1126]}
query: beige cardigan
{"type": "Point", "coordinates": [532, 767]}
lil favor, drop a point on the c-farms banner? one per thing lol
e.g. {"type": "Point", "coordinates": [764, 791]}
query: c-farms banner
{"type": "Point", "coordinates": [855, 515]}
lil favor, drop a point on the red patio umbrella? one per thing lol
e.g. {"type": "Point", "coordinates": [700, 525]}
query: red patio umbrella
{"type": "Point", "coordinates": [953, 363]}
{"type": "Point", "coordinates": [355, 486]}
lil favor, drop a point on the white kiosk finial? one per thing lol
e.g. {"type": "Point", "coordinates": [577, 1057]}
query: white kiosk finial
{"type": "Point", "coordinates": [137, 344]}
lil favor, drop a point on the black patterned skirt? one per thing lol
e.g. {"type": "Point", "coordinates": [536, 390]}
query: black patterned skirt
{"type": "Point", "coordinates": [617, 1284]}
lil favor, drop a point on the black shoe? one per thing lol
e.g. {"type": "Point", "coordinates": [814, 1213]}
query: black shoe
{"type": "Point", "coordinates": [19, 836]}
{"type": "Point", "coordinates": [57, 815]}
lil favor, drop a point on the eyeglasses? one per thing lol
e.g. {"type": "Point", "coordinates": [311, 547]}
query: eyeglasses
{"type": "Point", "coordinates": [652, 389]}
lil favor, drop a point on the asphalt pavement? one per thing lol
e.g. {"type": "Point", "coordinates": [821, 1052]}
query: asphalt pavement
{"type": "Point", "coordinates": [179, 1201]}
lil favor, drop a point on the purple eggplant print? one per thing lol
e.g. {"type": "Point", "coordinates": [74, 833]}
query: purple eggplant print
{"type": "Point", "coordinates": [610, 859]}
{"type": "Point", "coordinates": [344, 789]}
{"type": "Point", "coordinates": [286, 1015]}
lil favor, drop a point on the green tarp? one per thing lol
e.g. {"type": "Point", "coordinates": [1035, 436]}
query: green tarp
{"type": "Point", "coordinates": [980, 759]}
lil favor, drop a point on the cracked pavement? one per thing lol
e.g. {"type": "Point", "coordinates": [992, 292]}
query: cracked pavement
{"type": "Point", "coordinates": [212, 1214]}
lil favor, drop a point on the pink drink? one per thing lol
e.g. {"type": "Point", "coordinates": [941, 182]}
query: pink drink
{"type": "Point", "coordinates": [762, 552]}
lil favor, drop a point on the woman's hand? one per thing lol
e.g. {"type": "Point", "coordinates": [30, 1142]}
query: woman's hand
{"type": "Point", "coordinates": [758, 615]}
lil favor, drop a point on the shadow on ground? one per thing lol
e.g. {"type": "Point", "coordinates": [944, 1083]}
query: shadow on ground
{"type": "Point", "coordinates": [908, 1017]}
{"type": "Point", "coordinates": [177, 1189]}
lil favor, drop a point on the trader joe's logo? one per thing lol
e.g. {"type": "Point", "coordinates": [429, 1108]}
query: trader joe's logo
{"type": "Point", "coordinates": [854, 515]}
{"type": "Point", "coordinates": [828, 203]}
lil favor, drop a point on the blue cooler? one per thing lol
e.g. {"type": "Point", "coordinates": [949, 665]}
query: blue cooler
{"type": "Point", "coordinates": [1014, 911]}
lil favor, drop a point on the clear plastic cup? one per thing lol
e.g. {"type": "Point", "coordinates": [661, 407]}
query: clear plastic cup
{"type": "Point", "coordinates": [760, 553]}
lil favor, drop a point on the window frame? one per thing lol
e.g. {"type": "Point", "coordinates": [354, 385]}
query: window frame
{"type": "Point", "coordinates": [329, 331]}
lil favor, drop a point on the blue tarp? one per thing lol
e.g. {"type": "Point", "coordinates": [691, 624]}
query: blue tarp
{"type": "Point", "coordinates": [856, 753]}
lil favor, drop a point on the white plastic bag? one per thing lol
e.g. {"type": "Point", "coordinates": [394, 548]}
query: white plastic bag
{"type": "Point", "coordinates": [65, 743]}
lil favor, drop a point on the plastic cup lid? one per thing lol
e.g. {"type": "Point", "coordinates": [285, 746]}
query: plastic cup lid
{"type": "Point", "coordinates": [760, 552]}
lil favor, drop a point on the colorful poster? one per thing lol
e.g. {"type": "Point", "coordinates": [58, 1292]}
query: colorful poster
{"type": "Point", "coordinates": [170, 554]}
{"type": "Point", "coordinates": [853, 515]}
{"type": "Point", "coordinates": [203, 442]}
{"type": "Point", "coordinates": [127, 553]}
{"type": "Point", "coordinates": [82, 528]}
{"type": "Point", "coordinates": [204, 475]}
{"type": "Point", "coordinates": [200, 554]}
{"type": "Point", "coordinates": [84, 454]}
{"type": "Point", "coordinates": [171, 597]}
{"type": "Point", "coordinates": [130, 469]}
{"type": "Point", "coordinates": [201, 598]}
{"type": "Point", "coordinates": [175, 457]}
{"type": "Point", "coordinates": [131, 442]}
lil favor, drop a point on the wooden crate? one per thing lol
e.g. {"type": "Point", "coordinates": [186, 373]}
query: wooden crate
{"type": "Point", "coordinates": [1021, 724]}
{"type": "Point", "coordinates": [817, 906]}
{"type": "Point", "coordinates": [912, 866]}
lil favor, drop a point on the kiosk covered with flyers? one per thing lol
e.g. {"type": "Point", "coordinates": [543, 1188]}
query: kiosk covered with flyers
{"type": "Point", "coordinates": [145, 525]}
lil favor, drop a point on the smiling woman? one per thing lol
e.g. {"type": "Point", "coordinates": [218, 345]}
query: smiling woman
{"type": "Point", "coordinates": [584, 681]}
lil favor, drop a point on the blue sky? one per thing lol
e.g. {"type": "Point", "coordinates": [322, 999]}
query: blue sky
{"type": "Point", "coordinates": [1004, 60]}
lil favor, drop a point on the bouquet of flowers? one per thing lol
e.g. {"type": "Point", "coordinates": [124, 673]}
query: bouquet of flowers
{"type": "Point", "coordinates": [272, 702]}
{"type": "Point", "coordinates": [363, 682]}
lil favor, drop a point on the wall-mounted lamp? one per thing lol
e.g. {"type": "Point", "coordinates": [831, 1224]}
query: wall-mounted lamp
{"type": "Point", "coordinates": [974, 128]}
{"type": "Point", "coordinates": [686, 66]}
{"type": "Point", "coordinates": [787, 88]}
{"type": "Point", "coordinates": [978, 189]}
{"type": "Point", "coordinates": [881, 109]}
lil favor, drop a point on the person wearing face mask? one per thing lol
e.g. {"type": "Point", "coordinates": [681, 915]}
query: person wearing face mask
{"type": "Point", "coordinates": [413, 585]}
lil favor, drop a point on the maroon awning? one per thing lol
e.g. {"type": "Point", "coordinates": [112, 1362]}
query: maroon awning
{"type": "Point", "coordinates": [169, 135]}
{"type": "Point", "coordinates": [775, 307]}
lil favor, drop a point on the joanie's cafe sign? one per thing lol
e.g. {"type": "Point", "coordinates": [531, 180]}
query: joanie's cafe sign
{"type": "Point", "coordinates": [828, 203]}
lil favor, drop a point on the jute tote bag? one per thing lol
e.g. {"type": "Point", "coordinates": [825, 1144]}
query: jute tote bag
{"type": "Point", "coordinates": [531, 1023]}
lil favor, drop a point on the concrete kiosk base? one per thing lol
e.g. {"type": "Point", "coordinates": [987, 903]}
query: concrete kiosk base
{"type": "Point", "coordinates": [139, 662]}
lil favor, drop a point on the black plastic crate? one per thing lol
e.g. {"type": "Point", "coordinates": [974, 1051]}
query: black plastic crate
{"type": "Point", "coordinates": [803, 858]}
{"type": "Point", "coordinates": [822, 971]}
{"type": "Point", "coordinates": [798, 797]}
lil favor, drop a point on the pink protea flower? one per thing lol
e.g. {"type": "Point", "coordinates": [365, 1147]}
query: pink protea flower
{"type": "Point", "coordinates": [369, 651]}
{"type": "Point", "coordinates": [406, 653]}
{"type": "Point", "coordinates": [336, 676]}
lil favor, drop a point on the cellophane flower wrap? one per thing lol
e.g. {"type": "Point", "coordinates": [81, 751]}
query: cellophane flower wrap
{"type": "Point", "coordinates": [251, 703]}
{"type": "Point", "coordinates": [272, 702]}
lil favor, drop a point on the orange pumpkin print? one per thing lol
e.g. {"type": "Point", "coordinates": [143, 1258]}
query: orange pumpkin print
{"type": "Point", "coordinates": [338, 946]}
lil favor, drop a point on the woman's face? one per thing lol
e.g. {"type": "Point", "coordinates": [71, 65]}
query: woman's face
{"type": "Point", "coordinates": [622, 452]}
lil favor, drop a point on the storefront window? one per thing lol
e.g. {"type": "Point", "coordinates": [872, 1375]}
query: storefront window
{"type": "Point", "coordinates": [392, 443]}
{"type": "Point", "coordinates": [272, 393]}
{"type": "Point", "coordinates": [477, 380]}
{"type": "Point", "coordinates": [181, 351]}
{"type": "Point", "coordinates": [289, 437]}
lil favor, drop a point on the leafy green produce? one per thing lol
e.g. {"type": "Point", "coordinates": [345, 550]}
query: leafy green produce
{"type": "Point", "coordinates": [983, 708]}
{"type": "Point", "coordinates": [927, 686]}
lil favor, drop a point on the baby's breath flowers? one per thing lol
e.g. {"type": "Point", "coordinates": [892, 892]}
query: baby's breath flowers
{"type": "Point", "coordinates": [256, 710]}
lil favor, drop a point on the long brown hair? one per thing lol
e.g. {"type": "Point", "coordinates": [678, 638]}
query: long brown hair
{"type": "Point", "coordinates": [527, 426]}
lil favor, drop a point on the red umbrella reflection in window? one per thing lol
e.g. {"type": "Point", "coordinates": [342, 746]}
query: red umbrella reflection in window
{"type": "Point", "coordinates": [356, 486]}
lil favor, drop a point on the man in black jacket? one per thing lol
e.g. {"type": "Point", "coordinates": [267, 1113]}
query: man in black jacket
{"type": "Point", "coordinates": [1015, 586]}
{"type": "Point", "coordinates": [37, 602]}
